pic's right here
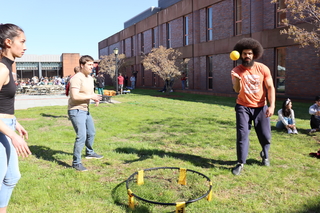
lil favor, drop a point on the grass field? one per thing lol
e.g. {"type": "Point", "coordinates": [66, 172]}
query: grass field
{"type": "Point", "coordinates": [149, 130]}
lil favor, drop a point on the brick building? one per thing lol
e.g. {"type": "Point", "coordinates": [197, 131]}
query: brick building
{"type": "Point", "coordinates": [46, 65]}
{"type": "Point", "coordinates": [205, 31]}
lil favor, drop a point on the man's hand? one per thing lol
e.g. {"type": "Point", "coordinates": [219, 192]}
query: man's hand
{"type": "Point", "coordinates": [235, 75]}
{"type": "Point", "coordinates": [236, 81]}
{"type": "Point", "coordinates": [97, 98]}
{"type": "Point", "coordinates": [269, 111]}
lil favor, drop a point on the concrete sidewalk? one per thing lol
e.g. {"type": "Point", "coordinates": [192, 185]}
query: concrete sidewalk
{"type": "Point", "coordinates": [29, 101]}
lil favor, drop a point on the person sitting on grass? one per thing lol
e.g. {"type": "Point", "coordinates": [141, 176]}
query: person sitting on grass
{"type": "Point", "coordinates": [314, 111]}
{"type": "Point", "coordinates": [286, 118]}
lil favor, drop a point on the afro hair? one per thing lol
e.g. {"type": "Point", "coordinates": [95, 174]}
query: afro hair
{"type": "Point", "coordinates": [249, 43]}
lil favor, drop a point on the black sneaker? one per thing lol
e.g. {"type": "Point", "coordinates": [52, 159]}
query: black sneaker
{"type": "Point", "coordinates": [79, 167]}
{"type": "Point", "coordinates": [311, 131]}
{"type": "Point", "coordinates": [265, 161]}
{"type": "Point", "coordinates": [237, 169]}
{"type": "Point", "coordinates": [94, 155]}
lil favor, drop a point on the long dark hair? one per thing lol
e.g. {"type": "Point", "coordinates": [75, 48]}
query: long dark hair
{"type": "Point", "coordinates": [8, 31]}
{"type": "Point", "coordinates": [285, 111]}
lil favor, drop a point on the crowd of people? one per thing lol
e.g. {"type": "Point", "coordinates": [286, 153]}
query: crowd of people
{"type": "Point", "coordinates": [36, 81]}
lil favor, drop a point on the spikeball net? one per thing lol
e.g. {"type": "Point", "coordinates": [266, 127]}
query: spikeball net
{"type": "Point", "coordinates": [159, 185]}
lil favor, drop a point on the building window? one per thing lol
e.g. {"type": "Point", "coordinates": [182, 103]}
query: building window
{"type": "Point", "coordinates": [281, 70]}
{"type": "Point", "coordinates": [237, 17]}
{"type": "Point", "coordinates": [186, 30]}
{"type": "Point", "coordinates": [209, 73]}
{"type": "Point", "coordinates": [124, 46]}
{"type": "Point", "coordinates": [132, 47]}
{"type": "Point", "coordinates": [209, 24]}
{"type": "Point", "coordinates": [142, 74]}
{"type": "Point", "coordinates": [186, 73]}
{"type": "Point", "coordinates": [168, 35]}
{"type": "Point", "coordinates": [142, 42]}
{"type": "Point", "coordinates": [280, 15]}
{"type": "Point", "coordinates": [153, 38]}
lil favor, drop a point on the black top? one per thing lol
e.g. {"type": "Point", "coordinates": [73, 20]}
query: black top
{"type": "Point", "coordinates": [100, 81]}
{"type": "Point", "coordinates": [8, 91]}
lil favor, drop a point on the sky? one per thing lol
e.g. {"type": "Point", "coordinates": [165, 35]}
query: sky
{"type": "Point", "coordinates": [53, 27]}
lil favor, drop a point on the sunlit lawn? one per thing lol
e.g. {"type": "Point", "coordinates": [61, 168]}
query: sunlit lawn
{"type": "Point", "coordinates": [148, 129]}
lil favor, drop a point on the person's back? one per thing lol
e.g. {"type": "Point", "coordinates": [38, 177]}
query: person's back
{"type": "Point", "coordinates": [100, 84]}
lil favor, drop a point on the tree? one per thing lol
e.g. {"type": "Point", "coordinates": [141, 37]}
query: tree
{"type": "Point", "coordinates": [166, 64]}
{"type": "Point", "coordinates": [108, 65]}
{"type": "Point", "coordinates": [302, 11]}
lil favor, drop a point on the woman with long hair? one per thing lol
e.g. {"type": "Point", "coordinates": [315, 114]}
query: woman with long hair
{"type": "Point", "coordinates": [286, 119]}
{"type": "Point", "coordinates": [12, 145]}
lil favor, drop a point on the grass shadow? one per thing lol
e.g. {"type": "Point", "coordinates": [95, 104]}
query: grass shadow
{"type": "Point", "coordinates": [299, 106]}
{"type": "Point", "coordinates": [53, 116]}
{"type": "Point", "coordinates": [45, 153]}
{"type": "Point", "coordinates": [144, 154]}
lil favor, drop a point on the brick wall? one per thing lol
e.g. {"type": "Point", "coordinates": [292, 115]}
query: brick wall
{"type": "Point", "coordinates": [177, 32]}
{"type": "Point", "coordinates": [69, 61]}
{"type": "Point", "coordinates": [258, 21]}
{"type": "Point", "coordinates": [222, 15]}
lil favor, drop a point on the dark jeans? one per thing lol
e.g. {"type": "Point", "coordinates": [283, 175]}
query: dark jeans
{"type": "Point", "coordinates": [314, 122]}
{"type": "Point", "coordinates": [244, 118]}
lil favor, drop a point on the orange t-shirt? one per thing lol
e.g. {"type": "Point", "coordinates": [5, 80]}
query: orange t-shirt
{"type": "Point", "coordinates": [253, 92]}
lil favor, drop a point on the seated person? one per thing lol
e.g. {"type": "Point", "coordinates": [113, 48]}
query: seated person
{"type": "Point", "coordinates": [314, 111]}
{"type": "Point", "coordinates": [286, 118]}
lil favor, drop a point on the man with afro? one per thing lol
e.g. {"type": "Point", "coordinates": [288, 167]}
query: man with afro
{"type": "Point", "coordinates": [253, 83]}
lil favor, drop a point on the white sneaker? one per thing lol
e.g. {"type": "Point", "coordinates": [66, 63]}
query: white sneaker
{"type": "Point", "coordinates": [295, 131]}
{"type": "Point", "coordinates": [290, 131]}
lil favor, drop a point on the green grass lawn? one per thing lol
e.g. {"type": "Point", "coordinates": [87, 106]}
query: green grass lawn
{"type": "Point", "coordinates": [148, 129]}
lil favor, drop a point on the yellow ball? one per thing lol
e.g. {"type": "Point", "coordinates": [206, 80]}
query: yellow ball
{"type": "Point", "coordinates": [234, 55]}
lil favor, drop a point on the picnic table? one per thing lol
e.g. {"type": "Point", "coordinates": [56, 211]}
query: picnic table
{"type": "Point", "coordinates": [107, 94]}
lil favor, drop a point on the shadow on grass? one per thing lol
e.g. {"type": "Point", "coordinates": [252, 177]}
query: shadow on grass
{"type": "Point", "coordinates": [45, 153]}
{"type": "Point", "coordinates": [53, 116]}
{"type": "Point", "coordinates": [313, 206]}
{"type": "Point", "coordinates": [144, 154]}
{"type": "Point", "coordinates": [300, 108]}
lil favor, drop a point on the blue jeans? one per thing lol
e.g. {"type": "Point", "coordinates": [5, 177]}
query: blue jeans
{"type": "Point", "coordinates": [183, 84]}
{"type": "Point", "coordinates": [244, 118]}
{"type": "Point", "coordinates": [84, 127]}
{"type": "Point", "coordinates": [280, 125]}
{"type": "Point", "coordinates": [9, 166]}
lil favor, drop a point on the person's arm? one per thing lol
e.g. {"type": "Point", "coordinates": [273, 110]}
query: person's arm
{"type": "Point", "coordinates": [236, 81]}
{"type": "Point", "coordinates": [313, 109]}
{"type": "Point", "coordinates": [281, 118]}
{"type": "Point", "coordinates": [4, 75]}
{"type": "Point", "coordinates": [271, 96]}
{"type": "Point", "coordinates": [293, 117]}
{"type": "Point", "coordinates": [18, 141]}
{"type": "Point", "coordinates": [78, 96]}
